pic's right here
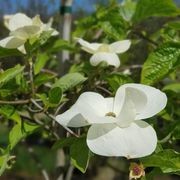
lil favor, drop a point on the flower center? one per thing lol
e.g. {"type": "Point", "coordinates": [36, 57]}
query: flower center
{"type": "Point", "coordinates": [110, 114]}
{"type": "Point", "coordinates": [103, 48]}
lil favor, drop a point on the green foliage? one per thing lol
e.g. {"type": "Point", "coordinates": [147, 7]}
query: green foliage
{"type": "Point", "coordinates": [20, 131]}
{"type": "Point", "coordinates": [115, 80]}
{"type": "Point", "coordinates": [10, 112]}
{"type": "Point", "coordinates": [9, 52]}
{"type": "Point", "coordinates": [55, 95]}
{"type": "Point", "coordinates": [80, 154]}
{"type": "Point", "coordinates": [40, 62]}
{"type": "Point", "coordinates": [69, 81]}
{"type": "Point", "coordinates": [160, 62]}
{"type": "Point", "coordinates": [167, 160]}
{"type": "Point", "coordinates": [33, 93]}
{"type": "Point", "coordinates": [175, 87]}
{"type": "Point", "coordinates": [10, 73]}
{"type": "Point", "coordinates": [148, 8]}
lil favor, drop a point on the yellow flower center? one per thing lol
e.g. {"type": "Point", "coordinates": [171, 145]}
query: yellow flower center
{"type": "Point", "coordinates": [103, 48]}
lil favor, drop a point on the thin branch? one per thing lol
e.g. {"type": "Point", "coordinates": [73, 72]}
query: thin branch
{"type": "Point", "coordinates": [105, 90]}
{"type": "Point", "coordinates": [25, 101]}
{"type": "Point", "coordinates": [31, 77]}
{"type": "Point", "coordinates": [52, 117]}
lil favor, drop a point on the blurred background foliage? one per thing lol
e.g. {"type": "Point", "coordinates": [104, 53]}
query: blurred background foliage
{"type": "Point", "coordinates": [153, 59]}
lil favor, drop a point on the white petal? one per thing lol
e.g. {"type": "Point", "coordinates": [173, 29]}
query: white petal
{"type": "Point", "coordinates": [137, 140]}
{"type": "Point", "coordinates": [120, 46]}
{"type": "Point", "coordinates": [72, 118]}
{"type": "Point", "coordinates": [37, 21]}
{"type": "Point", "coordinates": [88, 47]}
{"type": "Point", "coordinates": [128, 112]}
{"type": "Point", "coordinates": [138, 98]}
{"type": "Point", "coordinates": [110, 104]}
{"type": "Point", "coordinates": [110, 58]}
{"type": "Point", "coordinates": [155, 100]}
{"type": "Point", "coordinates": [19, 20]}
{"type": "Point", "coordinates": [90, 108]}
{"type": "Point", "coordinates": [11, 42]}
{"type": "Point", "coordinates": [22, 49]}
{"type": "Point", "coordinates": [26, 32]}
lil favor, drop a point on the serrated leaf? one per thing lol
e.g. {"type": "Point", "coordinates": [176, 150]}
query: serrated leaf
{"type": "Point", "coordinates": [80, 154]}
{"type": "Point", "coordinates": [20, 131]}
{"type": "Point", "coordinates": [55, 95]}
{"type": "Point", "coordinates": [40, 62]}
{"type": "Point", "coordinates": [69, 81]}
{"type": "Point", "coordinates": [4, 52]}
{"type": "Point", "coordinates": [160, 62]}
{"type": "Point", "coordinates": [149, 8]}
{"type": "Point", "coordinates": [64, 142]}
{"type": "Point", "coordinates": [167, 160]}
{"type": "Point", "coordinates": [115, 80]}
{"type": "Point", "coordinates": [10, 73]}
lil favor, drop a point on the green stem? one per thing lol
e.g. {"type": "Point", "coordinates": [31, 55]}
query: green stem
{"type": "Point", "coordinates": [31, 77]}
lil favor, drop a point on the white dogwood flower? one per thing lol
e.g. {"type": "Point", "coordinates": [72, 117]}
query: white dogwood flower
{"type": "Point", "coordinates": [116, 126]}
{"type": "Point", "coordinates": [105, 52]}
{"type": "Point", "coordinates": [23, 28]}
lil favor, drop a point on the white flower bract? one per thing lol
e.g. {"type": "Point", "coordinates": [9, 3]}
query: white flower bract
{"type": "Point", "coordinates": [23, 28]}
{"type": "Point", "coordinates": [105, 52]}
{"type": "Point", "coordinates": [116, 123]}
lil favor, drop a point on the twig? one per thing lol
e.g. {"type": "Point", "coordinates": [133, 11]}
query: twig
{"type": "Point", "coordinates": [52, 117]}
{"type": "Point", "coordinates": [31, 77]}
{"type": "Point", "coordinates": [165, 139]}
{"type": "Point", "coordinates": [25, 101]}
{"type": "Point", "coordinates": [105, 90]}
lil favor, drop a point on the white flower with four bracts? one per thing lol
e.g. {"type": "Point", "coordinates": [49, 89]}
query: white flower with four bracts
{"type": "Point", "coordinates": [116, 123]}
{"type": "Point", "coordinates": [23, 28]}
{"type": "Point", "coordinates": [105, 52]}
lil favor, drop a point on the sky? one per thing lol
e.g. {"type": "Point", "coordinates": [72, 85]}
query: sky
{"type": "Point", "coordinates": [11, 6]}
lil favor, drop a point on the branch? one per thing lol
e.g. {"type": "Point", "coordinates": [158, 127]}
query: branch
{"type": "Point", "coordinates": [25, 101]}
{"type": "Point", "coordinates": [52, 117]}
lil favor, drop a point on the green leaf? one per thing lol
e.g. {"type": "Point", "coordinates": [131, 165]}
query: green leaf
{"type": "Point", "coordinates": [10, 113]}
{"type": "Point", "coordinates": [175, 87]}
{"type": "Point", "coordinates": [4, 162]}
{"type": "Point", "coordinates": [148, 8]}
{"type": "Point", "coordinates": [19, 132]}
{"type": "Point", "coordinates": [80, 154]}
{"type": "Point", "coordinates": [111, 31]}
{"type": "Point", "coordinates": [42, 78]}
{"type": "Point", "coordinates": [115, 80]}
{"type": "Point", "coordinates": [64, 142]}
{"type": "Point", "coordinates": [59, 45]}
{"type": "Point", "coordinates": [4, 52]}
{"type": "Point", "coordinates": [160, 62]}
{"type": "Point", "coordinates": [55, 95]}
{"type": "Point", "coordinates": [168, 161]}
{"type": "Point", "coordinates": [10, 73]}
{"type": "Point", "coordinates": [40, 62]}
{"type": "Point", "coordinates": [69, 81]}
